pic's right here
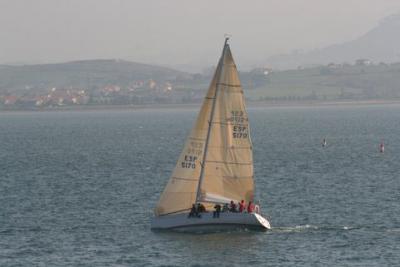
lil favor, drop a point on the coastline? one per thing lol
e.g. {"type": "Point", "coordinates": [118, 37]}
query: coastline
{"type": "Point", "coordinates": [195, 106]}
{"type": "Point", "coordinates": [376, 102]}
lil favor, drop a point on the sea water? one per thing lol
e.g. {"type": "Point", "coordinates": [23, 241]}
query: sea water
{"type": "Point", "coordinates": [78, 189]}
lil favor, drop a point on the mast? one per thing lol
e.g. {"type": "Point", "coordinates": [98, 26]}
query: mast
{"type": "Point", "coordinates": [220, 65]}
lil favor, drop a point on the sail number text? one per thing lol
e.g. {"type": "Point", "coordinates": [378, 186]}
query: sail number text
{"type": "Point", "coordinates": [239, 121]}
{"type": "Point", "coordinates": [189, 162]}
{"type": "Point", "coordinates": [194, 150]}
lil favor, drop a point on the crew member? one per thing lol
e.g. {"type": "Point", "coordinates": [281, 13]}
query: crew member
{"type": "Point", "coordinates": [217, 210]}
{"type": "Point", "coordinates": [242, 206]}
{"type": "Point", "coordinates": [232, 207]}
{"type": "Point", "coordinates": [250, 207]}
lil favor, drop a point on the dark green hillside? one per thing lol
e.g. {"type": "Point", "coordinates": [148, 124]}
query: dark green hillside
{"type": "Point", "coordinates": [83, 74]}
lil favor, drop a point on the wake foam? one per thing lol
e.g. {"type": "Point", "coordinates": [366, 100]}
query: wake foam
{"type": "Point", "coordinates": [308, 228]}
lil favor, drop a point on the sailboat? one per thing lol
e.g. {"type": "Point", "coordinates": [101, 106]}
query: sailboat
{"type": "Point", "coordinates": [215, 166]}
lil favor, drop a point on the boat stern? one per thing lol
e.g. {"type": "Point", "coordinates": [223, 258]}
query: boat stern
{"type": "Point", "coordinates": [264, 222]}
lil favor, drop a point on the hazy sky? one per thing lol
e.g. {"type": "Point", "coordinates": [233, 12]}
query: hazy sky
{"type": "Point", "coordinates": [178, 32]}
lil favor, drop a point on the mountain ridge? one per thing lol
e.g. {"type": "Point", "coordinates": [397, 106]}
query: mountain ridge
{"type": "Point", "coordinates": [380, 44]}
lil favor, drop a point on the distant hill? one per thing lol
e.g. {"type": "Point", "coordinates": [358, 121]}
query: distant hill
{"type": "Point", "coordinates": [332, 82]}
{"type": "Point", "coordinates": [381, 44]}
{"type": "Point", "coordinates": [83, 74]}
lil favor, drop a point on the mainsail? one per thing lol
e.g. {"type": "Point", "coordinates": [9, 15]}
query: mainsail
{"type": "Point", "coordinates": [216, 164]}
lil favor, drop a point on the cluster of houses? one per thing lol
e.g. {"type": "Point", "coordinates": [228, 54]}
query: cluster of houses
{"type": "Point", "coordinates": [54, 97]}
{"type": "Point", "coordinates": [133, 93]}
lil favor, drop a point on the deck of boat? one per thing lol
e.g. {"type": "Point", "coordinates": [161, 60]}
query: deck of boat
{"type": "Point", "coordinates": [206, 221]}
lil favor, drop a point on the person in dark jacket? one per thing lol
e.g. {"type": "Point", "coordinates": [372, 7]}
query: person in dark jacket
{"type": "Point", "coordinates": [232, 207]}
{"type": "Point", "coordinates": [201, 208]}
{"type": "Point", "coordinates": [193, 212]}
{"type": "Point", "coordinates": [217, 210]}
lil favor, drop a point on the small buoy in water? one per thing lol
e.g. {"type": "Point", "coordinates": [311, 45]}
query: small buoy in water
{"type": "Point", "coordinates": [382, 147]}
{"type": "Point", "coordinates": [324, 143]}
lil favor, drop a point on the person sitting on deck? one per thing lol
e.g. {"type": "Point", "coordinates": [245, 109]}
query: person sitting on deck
{"type": "Point", "coordinates": [225, 208]}
{"type": "Point", "coordinates": [242, 206]}
{"type": "Point", "coordinates": [201, 208]}
{"type": "Point", "coordinates": [250, 207]}
{"type": "Point", "coordinates": [217, 210]}
{"type": "Point", "coordinates": [193, 212]}
{"type": "Point", "coordinates": [232, 207]}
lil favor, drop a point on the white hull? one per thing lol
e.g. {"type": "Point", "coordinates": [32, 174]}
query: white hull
{"type": "Point", "coordinates": [226, 220]}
